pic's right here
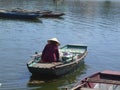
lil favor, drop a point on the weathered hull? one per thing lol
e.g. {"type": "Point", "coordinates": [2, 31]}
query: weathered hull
{"type": "Point", "coordinates": [55, 71]}
{"type": "Point", "coordinates": [18, 15]}
{"type": "Point", "coordinates": [106, 80]}
{"type": "Point", "coordinates": [42, 13]}
{"type": "Point", "coordinates": [59, 68]}
{"type": "Point", "coordinates": [52, 15]}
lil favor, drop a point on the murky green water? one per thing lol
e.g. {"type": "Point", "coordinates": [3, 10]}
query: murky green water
{"type": "Point", "coordinates": [93, 23]}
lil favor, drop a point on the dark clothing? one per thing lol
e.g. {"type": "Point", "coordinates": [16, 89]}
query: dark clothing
{"type": "Point", "coordinates": [50, 53]}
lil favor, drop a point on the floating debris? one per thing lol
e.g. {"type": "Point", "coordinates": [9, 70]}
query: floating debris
{"type": "Point", "coordinates": [35, 82]}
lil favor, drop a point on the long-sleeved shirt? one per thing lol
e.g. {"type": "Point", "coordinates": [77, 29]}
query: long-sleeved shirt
{"type": "Point", "coordinates": [50, 53]}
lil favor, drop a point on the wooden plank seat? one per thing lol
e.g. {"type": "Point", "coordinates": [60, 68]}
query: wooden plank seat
{"type": "Point", "coordinates": [46, 65]}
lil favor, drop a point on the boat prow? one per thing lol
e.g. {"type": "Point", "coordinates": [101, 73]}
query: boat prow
{"type": "Point", "coordinates": [105, 80]}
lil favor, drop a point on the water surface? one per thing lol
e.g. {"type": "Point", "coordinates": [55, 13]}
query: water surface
{"type": "Point", "coordinates": [92, 23]}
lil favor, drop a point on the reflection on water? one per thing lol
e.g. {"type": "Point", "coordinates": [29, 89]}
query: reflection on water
{"type": "Point", "coordinates": [36, 20]}
{"type": "Point", "coordinates": [58, 2]}
{"type": "Point", "coordinates": [66, 79]}
{"type": "Point", "coordinates": [95, 23]}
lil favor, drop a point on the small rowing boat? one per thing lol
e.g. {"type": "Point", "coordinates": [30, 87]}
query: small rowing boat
{"type": "Point", "coordinates": [18, 15]}
{"type": "Point", "coordinates": [105, 80]}
{"type": "Point", "coordinates": [42, 13]}
{"type": "Point", "coordinates": [71, 58]}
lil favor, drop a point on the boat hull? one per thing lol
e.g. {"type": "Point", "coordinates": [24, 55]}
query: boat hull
{"type": "Point", "coordinates": [59, 68]}
{"type": "Point", "coordinates": [105, 80]}
{"type": "Point", "coordinates": [55, 71]}
{"type": "Point", "coordinates": [18, 15]}
{"type": "Point", "coordinates": [42, 13]}
{"type": "Point", "coordinates": [52, 15]}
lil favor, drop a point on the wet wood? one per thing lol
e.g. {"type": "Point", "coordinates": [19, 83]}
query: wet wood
{"type": "Point", "coordinates": [103, 81]}
{"type": "Point", "coordinates": [47, 65]}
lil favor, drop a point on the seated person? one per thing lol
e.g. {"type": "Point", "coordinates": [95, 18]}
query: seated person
{"type": "Point", "coordinates": [50, 52]}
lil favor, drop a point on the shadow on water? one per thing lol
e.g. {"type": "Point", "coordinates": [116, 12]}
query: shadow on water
{"type": "Point", "coordinates": [36, 20]}
{"type": "Point", "coordinates": [56, 82]}
{"type": "Point", "coordinates": [60, 18]}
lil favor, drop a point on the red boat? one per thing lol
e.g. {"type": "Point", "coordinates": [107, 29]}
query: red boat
{"type": "Point", "coordinates": [105, 80]}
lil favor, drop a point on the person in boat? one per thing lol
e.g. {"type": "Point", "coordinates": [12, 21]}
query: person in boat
{"type": "Point", "coordinates": [50, 52]}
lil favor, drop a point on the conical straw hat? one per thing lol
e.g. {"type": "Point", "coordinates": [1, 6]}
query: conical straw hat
{"type": "Point", "coordinates": [54, 39]}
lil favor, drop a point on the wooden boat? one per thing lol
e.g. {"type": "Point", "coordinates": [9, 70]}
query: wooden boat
{"type": "Point", "coordinates": [105, 80]}
{"type": "Point", "coordinates": [42, 13]}
{"type": "Point", "coordinates": [30, 11]}
{"type": "Point", "coordinates": [52, 15]}
{"type": "Point", "coordinates": [71, 57]}
{"type": "Point", "coordinates": [18, 15]}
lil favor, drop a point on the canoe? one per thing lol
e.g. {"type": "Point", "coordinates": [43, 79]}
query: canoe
{"type": "Point", "coordinates": [52, 15]}
{"type": "Point", "coordinates": [105, 80]}
{"type": "Point", "coordinates": [18, 15]}
{"type": "Point", "coordinates": [31, 11]}
{"type": "Point", "coordinates": [71, 56]}
{"type": "Point", "coordinates": [42, 13]}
